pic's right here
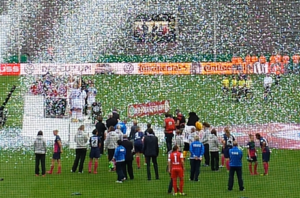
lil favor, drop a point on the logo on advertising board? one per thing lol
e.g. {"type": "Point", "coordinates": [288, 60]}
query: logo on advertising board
{"type": "Point", "coordinates": [164, 68]}
{"type": "Point", "coordinates": [57, 69]}
{"type": "Point", "coordinates": [150, 108]}
{"type": "Point", "coordinates": [128, 68]}
{"type": "Point", "coordinates": [10, 69]}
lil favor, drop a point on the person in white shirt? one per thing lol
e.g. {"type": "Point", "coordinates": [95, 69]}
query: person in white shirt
{"type": "Point", "coordinates": [267, 85]}
{"type": "Point", "coordinates": [91, 98]}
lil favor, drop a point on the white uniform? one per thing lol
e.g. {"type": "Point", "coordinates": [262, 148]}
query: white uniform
{"type": "Point", "coordinates": [92, 92]}
{"type": "Point", "coordinates": [76, 98]}
{"type": "Point", "coordinates": [268, 82]}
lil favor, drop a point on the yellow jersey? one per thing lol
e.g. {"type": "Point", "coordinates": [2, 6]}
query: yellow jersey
{"type": "Point", "coordinates": [225, 82]}
{"type": "Point", "coordinates": [242, 83]}
{"type": "Point", "coordinates": [234, 82]}
{"type": "Point", "coordinates": [249, 83]}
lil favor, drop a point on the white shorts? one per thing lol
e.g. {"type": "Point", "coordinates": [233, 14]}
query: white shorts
{"type": "Point", "coordinates": [90, 101]}
{"type": "Point", "coordinates": [77, 103]}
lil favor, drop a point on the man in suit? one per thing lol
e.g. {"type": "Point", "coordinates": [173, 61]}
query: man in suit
{"type": "Point", "coordinates": [151, 150]}
{"type": "Point", "coordinates": [128, 157]}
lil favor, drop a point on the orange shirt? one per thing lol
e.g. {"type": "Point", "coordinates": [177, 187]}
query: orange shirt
{"type": "Point", "coordinates": [248, 59]}
{"type": "Point", "coordinates": [239, 60]}
{"type": "Point", "coordinates": [262, 59]}
{"type": "Point", "coordinates": [278, 58]}
{"type": "Point", "coordinates": [272, 59]}
{"type": "Point", "coordinates": [234, 60]}
{"type": "Point", "coordinates": [296, 58]}
{"type": "Point", "coordinates": [285, 59]}
{"type": "Point", "coordinates": [254, 59]}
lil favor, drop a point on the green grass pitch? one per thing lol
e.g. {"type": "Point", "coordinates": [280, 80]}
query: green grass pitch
{"type": "Point", "coordinates": [201, 94]}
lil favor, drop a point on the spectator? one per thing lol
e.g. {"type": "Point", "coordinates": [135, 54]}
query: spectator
{"type": "Point", "coordinates": [151, 151]}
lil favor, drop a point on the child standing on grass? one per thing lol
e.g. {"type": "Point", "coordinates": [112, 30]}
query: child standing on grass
{"type": "Point", "coordinates": [119, 158]}
{"type": "Point", "coordinates": [40, 154]}
{"type": "Point", "coordinates": [57, 150]}
{"type": "Point", "coordinates": [95, 143]}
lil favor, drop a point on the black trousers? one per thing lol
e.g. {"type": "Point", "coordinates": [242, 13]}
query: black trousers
{"type": "Point", "coordinates": [110, 153]}
{"type": "Point", "coordinates": [214, 160]}
{"type": "Point", "coordinates": [154, 161]}
{"type": "Point", "coordinates": [40, 158]}
{"type": "Point", "coordinates": [128, 167]}
{"type": "Point", "coordinates": [169, 137]}
{"type": "Point", "coordinates": [238, 171]}
{"type": "Point", "coordinates": [195, 169]}
{"type": "Point", "coordinates": [206, 154]}
{"type": "Point", "coordinates": [80, 156]}
{"type": "Point", "coordinates": [119, 170]}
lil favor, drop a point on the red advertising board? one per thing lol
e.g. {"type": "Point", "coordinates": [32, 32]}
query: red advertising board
{"type": "Point", "coordinates": [10, 69]}
{"type": "Point", "coordinates": [150, 108]}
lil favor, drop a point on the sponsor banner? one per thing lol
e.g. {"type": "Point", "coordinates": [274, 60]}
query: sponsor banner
{"type": "Point", "coordinates": [209, 68]}
{"type": "Point", "coordinates": [10, 69]}
{"type": "Point", "coordinates": [146, 109]}
{"type": "Point", "coordinates": [164, 68]}
{"type": "Point", "coordinates": [116, 68]}
{"type": "Point", "coordinates": [58, 69]}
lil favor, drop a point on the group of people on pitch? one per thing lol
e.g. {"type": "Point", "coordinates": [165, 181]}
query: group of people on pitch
{"type": "Point", "coordinates": [203, 142]}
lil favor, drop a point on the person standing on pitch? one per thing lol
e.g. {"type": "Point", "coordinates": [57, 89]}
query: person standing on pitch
{"type": "Point", "coordinates": [197, 151]}
{"type": "Point", "coordinates": [151, 150]}
{"type": "Point", "coordinates": [204, 140]}
{"type": "Point", "coordinates": [95, 143]}
{"type": "Point", "coordinates": [169, 125]}
{"type": "Point", "coordinates": [214, 150]}
{"type": "Point", "coordinates": [119, 158]}
{"type": "Point", "coordinates": [57, 150]}
{"type": "Point", "coordinates": [251, 157]}
{"type": "Point", "coordinates": [176, 168]}
{"type": "Point", "coordinates": [128, 145]}
{"type": "Point", "coordinates": [227, 141]}
{"type": "Point", "coordinates": [40, 154]}
{"type": "Point", "coordinates": [80, 139]}
{"type": "Point", "coordinates": [235, 166]}
{"type": "Point", "coordinates": [101, 128]}
{"type": "Point", "coordinates": [265, 153]}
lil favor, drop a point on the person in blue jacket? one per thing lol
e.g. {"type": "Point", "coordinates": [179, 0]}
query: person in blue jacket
{"type": "Point", "coordinates": [119, 158]}
{"type": "Point", "coordinates": [123, 126]}
{"type": "Point", "coordinates": [197, 151]}
{"type": "Point", "coordinates": [235, 166]}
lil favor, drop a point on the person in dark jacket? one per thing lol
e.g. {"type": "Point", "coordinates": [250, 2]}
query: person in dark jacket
{"type": "Point", "coordinates": [128, 158]}
{"type": "Point", "coordinates": [111, 121]}
{"type": "Point", "coordinates": [101, 128]}
{"type": "Point", "coordinates": [133, 130]}
{"type": "Point", "coordinates": [151, 150]}
{"type": "Point", "coordinates": [115, 114]}
{"type": "Point", "coordinates": [235, 166]}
